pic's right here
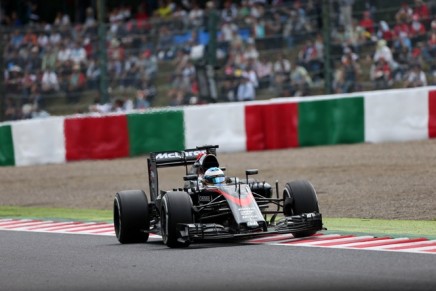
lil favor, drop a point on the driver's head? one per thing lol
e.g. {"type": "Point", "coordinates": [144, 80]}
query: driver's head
{"type": "Point", "coordinates": [214, 176]}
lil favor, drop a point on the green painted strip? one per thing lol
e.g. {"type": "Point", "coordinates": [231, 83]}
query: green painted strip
{"type": "Point", "coordinates": [7, 157]}
{"type": "Point", "coordinates": [67, 214]}
{"type": "Point", "coordinates": [381, 227]}
{"type": "Point", "coordinates": [156, 131]}
{"type": "Point", "coordinates": [335, 121]}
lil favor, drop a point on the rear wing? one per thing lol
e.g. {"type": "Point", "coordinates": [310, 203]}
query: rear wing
{"type": "Point", "coordinates": [173, 159]}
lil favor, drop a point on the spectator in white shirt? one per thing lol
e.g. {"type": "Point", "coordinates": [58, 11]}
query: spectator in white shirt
{"type": "Point", "coordinates": [251, 52]}
{"type": "Point", "coordinates": [78, 54]}
{"type": "Point", "coordinates": [227, 31]}
{"type": "Point", "coordinates": [230, 11]}
{"type": "Point", "coordinates": [100, 107]}
{"type": "Point", "coordinates": [383, 51]}
{"type": "Point", "coordinates": [263, 68]}
{"type": "Point", "coordinates": [63, 54]}
{"type": "Point", "coordinates": [43, 40]}
{"type": "Point", "coordinates": [90, 19]}
{"type": "Point", "coordinates": [55, 37]}
{"type": "Point", "coordinates": [246, 90]}
{"type": "Point", "coordinates": [251, 74]}
{"type": "Point", "coordinates": [415, 77]}
{"type": "Point", "coordinates": [49, 81]}
{"type": "Point", "coordinates": [196, 16]}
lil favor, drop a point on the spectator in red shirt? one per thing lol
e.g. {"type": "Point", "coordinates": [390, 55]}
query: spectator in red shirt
{"type": "Point", "coordinates": [141, 17]}
{"type": "Point", "coordinates": [432, 39]}
{"type": "Point", "coordinates": [381, 74]}
{"type": "Point", "coordinates": [416, 27]}
{"type": "Point", "coordinates": [384, 32]}
{"type": "Point", "coordinates": [417, 51]}
{"type": "Point", "coordinates": [367, 23]}
{"type": "Point", "coordinates": [421, 10]}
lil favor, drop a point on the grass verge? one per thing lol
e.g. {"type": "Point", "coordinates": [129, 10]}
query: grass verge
{"type": "Point", "coordinates": [56, 213]}
{"type": "Point", "coordinates": [381, 227]}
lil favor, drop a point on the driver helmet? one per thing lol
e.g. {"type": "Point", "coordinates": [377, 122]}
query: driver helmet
{"type": "Point", "coordinates": [214, 176]}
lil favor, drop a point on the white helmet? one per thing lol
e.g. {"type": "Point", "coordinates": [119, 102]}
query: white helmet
{"type": "Point", "coordinates": [214, 176]}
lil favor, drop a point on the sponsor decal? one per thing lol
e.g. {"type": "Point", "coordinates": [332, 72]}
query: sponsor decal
{"type": "Point", "coordinates": [173, 155]}
{"type": "Point", "coordinates": [248, 214]}
{"type": "Point", "coordinates": [162, 156]}
{"type": "Point", "coordinates": [194, 153]}
{"type": "Point", "coordinates": [204, 198]}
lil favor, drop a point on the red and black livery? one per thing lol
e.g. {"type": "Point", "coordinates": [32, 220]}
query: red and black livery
{"type": "Point", "coordinates": [238, 209]}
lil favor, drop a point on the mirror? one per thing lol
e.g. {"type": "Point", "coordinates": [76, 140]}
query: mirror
{"type": "Point", "coordinates": [192, 177]}
{"type": "Point", "coordinates": [251, 172]}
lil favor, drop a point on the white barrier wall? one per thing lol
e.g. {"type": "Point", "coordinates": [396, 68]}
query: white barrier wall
{"type": "Point", "coordinates": [39, 141]}
{"type": "Point", "coordinates": [384, 116]}
{"type": "Point", "coordinates": [221, 124]}
{"type": "Point", "coordinates": [396, 115]}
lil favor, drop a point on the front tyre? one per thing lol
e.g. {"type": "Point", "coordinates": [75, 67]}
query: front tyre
{"type": "Point", "coordinates": [176, 208]}
{"type": "Point", "coordinates": [131, 217]}
{"type": "Point", "coordinates": [300, 197]}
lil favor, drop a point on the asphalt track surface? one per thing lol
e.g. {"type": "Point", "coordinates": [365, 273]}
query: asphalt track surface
{"type": "Point", "coordinates": [42, 261]}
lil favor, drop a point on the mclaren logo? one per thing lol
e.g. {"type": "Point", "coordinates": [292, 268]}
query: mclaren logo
{"type": "Point", "coordinates": [168, 156]}
{"type": "Point", "coordinates": [178, 155]}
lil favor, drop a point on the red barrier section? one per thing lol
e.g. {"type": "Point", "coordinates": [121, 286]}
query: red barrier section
{"type": "Point", "coordinates": [432, 114]}
{"type": "Point", "coordinates": [96, 138]}
{"type": "Point", "coordinates": [254, 128]}
{"type": "Point", "coordinates": [272, 126]}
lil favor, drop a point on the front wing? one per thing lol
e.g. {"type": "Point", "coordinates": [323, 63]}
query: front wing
{"type": "Point", "coordinates": [211, 231]}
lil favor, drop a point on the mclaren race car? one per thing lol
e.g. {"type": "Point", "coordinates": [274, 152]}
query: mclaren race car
{"type": "Point", "coordinates": [235, 208]}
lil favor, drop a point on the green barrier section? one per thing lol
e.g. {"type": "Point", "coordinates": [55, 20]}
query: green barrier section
{"type": "Point", "coordinates": [156, 131]}
{"type": "Point", "coordinates": [6, 146]}
{"type": "Point", "coordinates": [334, 121]}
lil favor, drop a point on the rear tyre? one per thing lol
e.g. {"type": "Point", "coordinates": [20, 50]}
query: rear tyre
{"type": "Point", "coordinates": [131, 217]}
{"type": "Point", "coordinates": [300, 197]}
{"type": "Point", "coordinates": [176, 208]}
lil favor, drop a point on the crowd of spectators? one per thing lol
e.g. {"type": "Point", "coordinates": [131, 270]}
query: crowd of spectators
{"type": "Point", "coordinates": [400, 53]}
{"type": "Point", "coordinates": [44, 60]}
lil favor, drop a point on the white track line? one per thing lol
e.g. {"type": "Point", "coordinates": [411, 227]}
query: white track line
{"type": "Point", "coordinates": [406, 245]}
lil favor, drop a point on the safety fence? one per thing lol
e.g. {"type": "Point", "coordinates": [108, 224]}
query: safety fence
{"type": "Point", "coordinates": [372, 117]}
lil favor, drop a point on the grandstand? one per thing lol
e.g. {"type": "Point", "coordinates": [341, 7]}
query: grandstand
{"type": "Point", "coordinates": [52, 65]}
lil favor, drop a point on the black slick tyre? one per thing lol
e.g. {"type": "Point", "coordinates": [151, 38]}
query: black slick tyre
{"type": "Point", "coordinates": [300, 197]}
{"type": "Point", "coordinates": [131, 217]}
{"type": "Point", "coordinates": [176, 208]}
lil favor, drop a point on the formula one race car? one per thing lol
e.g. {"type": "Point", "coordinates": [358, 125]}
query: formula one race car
{"type": "Point", "coordinates": [232, 208]}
